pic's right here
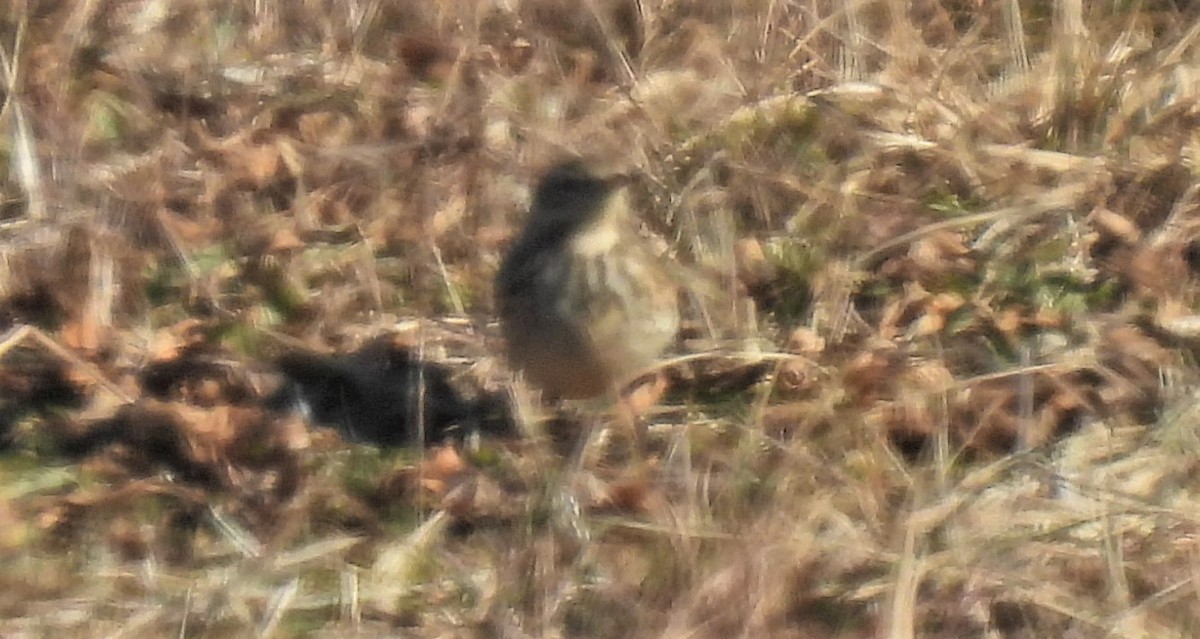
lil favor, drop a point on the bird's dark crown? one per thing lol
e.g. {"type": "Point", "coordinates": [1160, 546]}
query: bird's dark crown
{"type": "Point", "coordinates": [570, 183]}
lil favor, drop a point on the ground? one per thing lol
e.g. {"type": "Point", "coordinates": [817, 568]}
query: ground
{"type": "Point", "coordinates": [935, 377]}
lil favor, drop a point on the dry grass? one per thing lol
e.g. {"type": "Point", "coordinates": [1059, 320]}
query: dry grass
{"type": "Point", "coordinates": [961, 240]}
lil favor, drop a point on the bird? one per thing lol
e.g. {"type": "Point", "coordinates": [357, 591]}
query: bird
{"type": "Point", "coordinates": [585, 305]}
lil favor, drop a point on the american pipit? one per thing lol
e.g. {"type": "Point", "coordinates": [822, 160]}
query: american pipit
{"type": "Point", "coordinates": [584, 303]}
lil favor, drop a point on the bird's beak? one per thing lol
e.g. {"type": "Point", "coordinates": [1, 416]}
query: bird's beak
{"type": "Point", "coordinates": [619, 180]}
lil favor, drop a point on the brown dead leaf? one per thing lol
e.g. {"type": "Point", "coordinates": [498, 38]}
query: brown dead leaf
{"type": "Point", "coordinates": [871, 373]}
{"type": "Point", "coordinates": [937, 311]}
{"type": "Point", "coordinates": [753, 268]}
{"type": "Point", "coordinates": [805, 341]}
{"type": "Point", "coordinates": [1048, 318]}
{"type": "Point", "coordinates": [1115, 225]}
{"type": "Point", "coordinates": [442, 471]}
{"type": "Point", "coordinates": [208, 392]}
{"type": "Point", "coordinates": [259, 164]}
{"type": "Point", "coordinates": [928, 324]}
{"type": "Point", "coordinates": [641, 397]}
{"type": "Point", "coordinates": [83, 377]}
{"type": "Point", "coordinates": [170, 342]}
{"type": "Point", "coordinates": [247, 160]}
{"type": "Point", "coordinates": [929, 378]}
{"type": "Point", "coordinates": [899, 311]}
{"type": "Point", "coordinates": [284, 240]}
{"type": "Point", "coordinates": [207, 431]}
{"type": "Point", "coordinates": [445, 463]}
{"type": "Point", "coordinates": [796, 375]}
{"type": "Point", "coordinates": [187, 231]}
{"type": "Point", "coordinates": [434, 486]}
{"type": "Point", "coordinates": [1159, 268]}
{"type": "Point", "coordinates": [946, 303]}
{"type": "Point", "coordinates": [1124, 340]}
{"type": "Point", "coordinates": [1054, 418]}
{"type": "Point", "coordinates": [83, 333]}
{"type": "Point", "coordinates": [326, 128]}
{"type": "Point", "coordinates": [940, 254]}
{"type": "Point", "coordinates": [1009, 321]}
{"type": "Point", "coordinates": [633, 492]}
{"type": "Point", "coordinates": [891, 318]}
{"type": "Point", "coordinates": [988, 421]}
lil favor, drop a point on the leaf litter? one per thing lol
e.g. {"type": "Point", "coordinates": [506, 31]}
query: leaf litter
{"type": "Point", "coordinates": [934, 378]}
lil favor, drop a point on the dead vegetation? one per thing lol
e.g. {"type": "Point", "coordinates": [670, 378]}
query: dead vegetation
{"type": "Point", "coordinates": [936, 378]}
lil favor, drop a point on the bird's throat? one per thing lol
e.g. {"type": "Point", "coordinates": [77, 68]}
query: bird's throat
{"type": "Point", "coordinates": [604, 232]}
{"type": "Point", "coordinates": [596, 240]}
